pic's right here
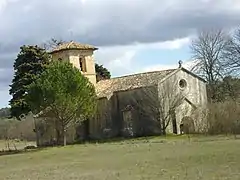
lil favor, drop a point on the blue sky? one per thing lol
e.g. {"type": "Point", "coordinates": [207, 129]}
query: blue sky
{"type": "Point", "coordinates": [157, 57]}
{"type": "Point", "coordinates": [132, 35]}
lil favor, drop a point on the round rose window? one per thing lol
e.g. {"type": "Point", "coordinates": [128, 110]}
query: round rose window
{"type": "Point", "coordinates": [182, 83]}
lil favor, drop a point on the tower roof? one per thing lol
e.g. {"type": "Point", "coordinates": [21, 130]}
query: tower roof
{"type": "Point", "coordinates": [73, 46]}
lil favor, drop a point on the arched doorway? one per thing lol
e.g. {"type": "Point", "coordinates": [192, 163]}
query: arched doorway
{"type": "Point", "coordinates": [187, 125]}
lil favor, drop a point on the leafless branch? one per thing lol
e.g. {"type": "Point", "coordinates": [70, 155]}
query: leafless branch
{"type": "Point", "coordinates": [208, 48]}
{"type": "Point", "coordinates": [159, 102]}
{"type": "Point", "coordinates": [232, 54]}
{"type": "Point", "coordinates": [52, 44]}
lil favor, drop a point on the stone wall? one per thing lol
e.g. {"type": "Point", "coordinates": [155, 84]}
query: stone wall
{"type": "Point", "coordinates": [145, 112]}
{"type": "Point", "coordinates": [73, 57]}
{"type": "Point", "coordinates": [141, 104]}
{"type": "Point", "coordinates": [99, 125]}
{"type": "Point", "coordinates": [195, 92]}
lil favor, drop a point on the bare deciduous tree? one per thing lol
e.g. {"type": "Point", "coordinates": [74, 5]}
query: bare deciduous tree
{"type": "Point", "coordinates": [208, 49]}
{"type": "Point", "coordinates": [159, 103]}
{"type": "Point", "coordinates": [232, 54]}
{"type": "Point", "coordinates": [52, 44]}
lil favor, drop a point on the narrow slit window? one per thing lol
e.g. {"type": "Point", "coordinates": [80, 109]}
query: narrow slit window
{"type": "Point", "coordinates": [82, 65]}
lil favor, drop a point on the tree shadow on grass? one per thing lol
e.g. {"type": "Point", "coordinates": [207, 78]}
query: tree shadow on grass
{"type": "Point", "coordinates": [20, 151]}
{"type": "Point", "coordinates": [129, 139]}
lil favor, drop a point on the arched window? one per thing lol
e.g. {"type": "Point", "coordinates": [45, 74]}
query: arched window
{"type": "Point", "coordinates": [60, 59]}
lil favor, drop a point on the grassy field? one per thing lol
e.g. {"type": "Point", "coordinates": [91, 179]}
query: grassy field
{"type": "Point", "coordinates": [157, 158]}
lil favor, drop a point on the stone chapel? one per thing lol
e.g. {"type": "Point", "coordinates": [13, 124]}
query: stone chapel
{"type": "Point", "coordinates": [133, 105]}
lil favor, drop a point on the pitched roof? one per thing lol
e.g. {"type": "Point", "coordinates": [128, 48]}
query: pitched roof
{"type": "Point", "coordinates": [193, 74]}
{"type": "Point", "coordinates": [73, 46]}
{"type": "Point", "coordinates": [105, 88]}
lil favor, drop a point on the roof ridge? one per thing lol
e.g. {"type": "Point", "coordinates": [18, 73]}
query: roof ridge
{"type": "Point", "coordinates": [105, 88]}
{"type": "Point", "coordinates": [69, 44]}
{"type": "Point", "coordinates": [149, 72]}
{"type": "Point", "coordinates": [73, 45]}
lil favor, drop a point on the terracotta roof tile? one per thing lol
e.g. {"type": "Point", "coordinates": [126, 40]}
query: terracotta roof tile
{"type": "Point", "coordinates": [73, 45]}
{"type": "Point", "coordinates": [105, 88]}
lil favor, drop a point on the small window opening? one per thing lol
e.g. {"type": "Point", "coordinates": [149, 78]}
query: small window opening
{"type": "Point", "coordinates": [60, 59]}
{"type": "Point", "coordinates": [128, 121]}
{"type": "Point", "coordinates": [82, 65]}
{"type": "Point", "coordinates": [182, 83]}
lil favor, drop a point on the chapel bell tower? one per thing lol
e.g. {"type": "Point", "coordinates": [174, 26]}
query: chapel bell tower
{"type": "Point", "coordinates": [80, 55]}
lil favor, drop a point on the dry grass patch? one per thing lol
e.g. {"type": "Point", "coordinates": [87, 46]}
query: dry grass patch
{"type": "Point", "coordinates": [179, 159]}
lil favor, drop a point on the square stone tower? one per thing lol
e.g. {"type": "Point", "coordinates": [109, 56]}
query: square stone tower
{"type": "Point", "coordinates": [80, 55]}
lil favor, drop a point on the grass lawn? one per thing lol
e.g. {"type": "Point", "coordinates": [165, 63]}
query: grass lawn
{"type": "Point", "coordinates": [155, 159]}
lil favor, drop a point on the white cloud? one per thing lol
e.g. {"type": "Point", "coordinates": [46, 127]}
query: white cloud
{"type": "Point", "coordinates": [122, 64]}
{"type": "Point", "coordinates": [188, 64]}
{"type": "Point", "coordinates": [5, 97]}
{"type": "Point", "coordinates": [3, 4]}
{"type": "Point", "coordinates": [170, 45]}
{"type": "Point", "coordinates": [119, 59]}
{"type": "Point", "coordinates": [159, 67]}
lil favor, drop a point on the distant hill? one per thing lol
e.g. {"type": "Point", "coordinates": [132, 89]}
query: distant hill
{"type": "Point", "coordinates": [4, 112]}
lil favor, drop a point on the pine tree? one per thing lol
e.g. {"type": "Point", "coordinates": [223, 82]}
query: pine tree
{"type": "Point", "coordinates": [102, 72]}
{"type": "Point", "coordinates": [64, 95]}
{"type": "Point", "coordinates": [28, 65]}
